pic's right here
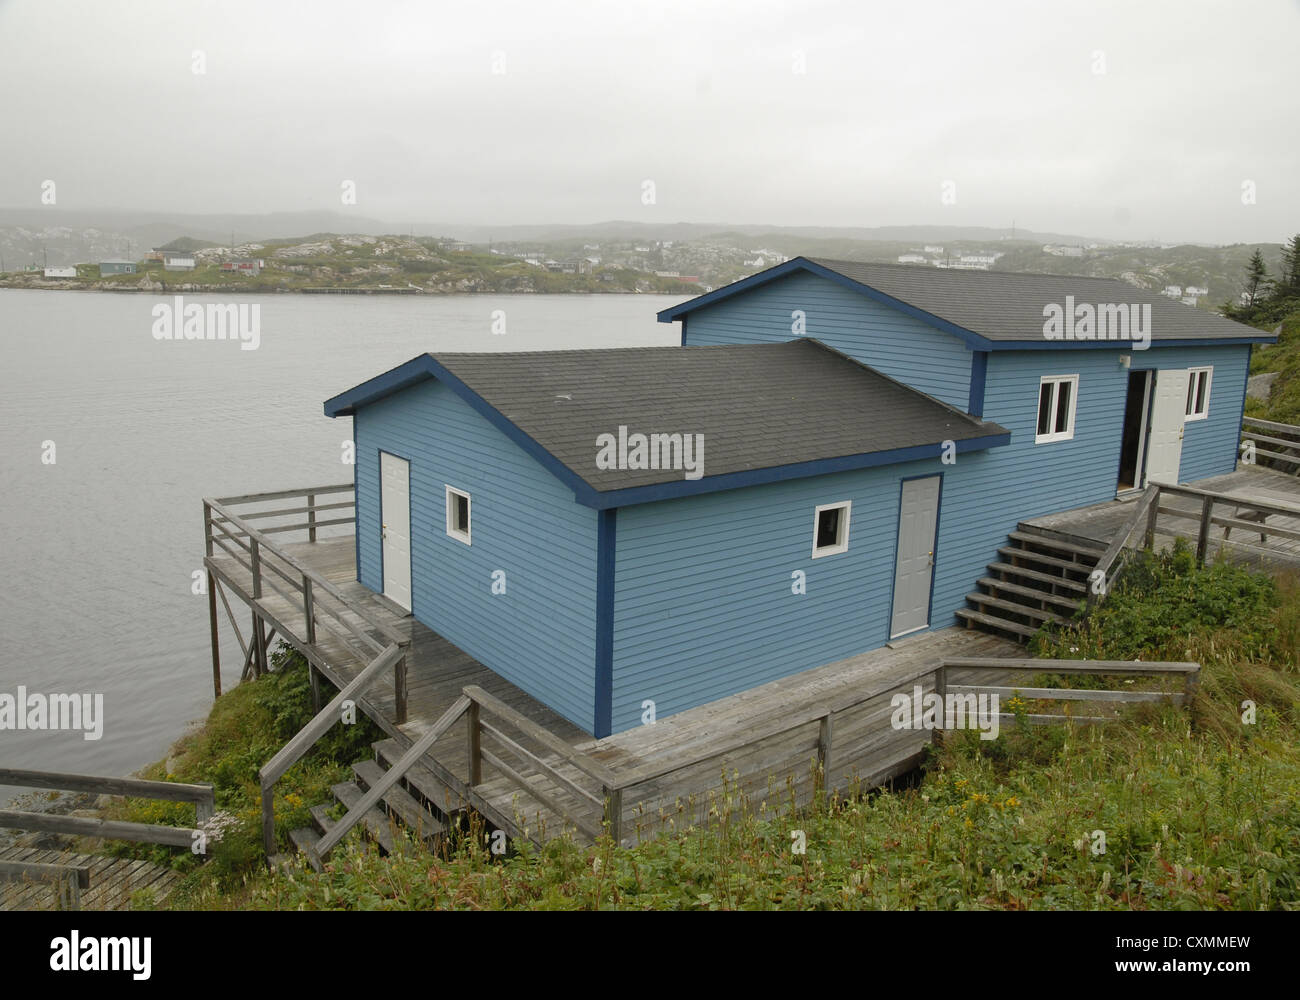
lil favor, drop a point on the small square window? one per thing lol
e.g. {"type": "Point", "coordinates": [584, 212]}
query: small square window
{"type": "Point", "coordinates": [1198, 393]}
{"type": "Point", "coordinates": [1056, 404]}
{"type": "Point", "coordinates": [458, 515]}
{"type": "Point", "coordinates": [831, 529]}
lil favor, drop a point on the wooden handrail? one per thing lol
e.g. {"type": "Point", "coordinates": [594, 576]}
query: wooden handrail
{"type": "Point", "coordinates": [320, 583]}
{"type": "Point", "coordinates": [292, 752]}
{"type": "Point", "coordinates": [320, 850]}
{"type": "Point", "coordinates": [1143, 508]}
{"type": "Point", "coordinates": [286, 494]}
{"type": "Point", "coordinates": [201, 795]}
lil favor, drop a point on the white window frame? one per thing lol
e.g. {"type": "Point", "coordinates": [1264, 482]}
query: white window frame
{"type": "Point", "coordinates": [1192, 374]}
{"type": "Point", "coordinates": [1068, 433]}
{"type": "Point", "coordinates": [452, 530]}
{"type": "Point", "coordinates": [843, 544]}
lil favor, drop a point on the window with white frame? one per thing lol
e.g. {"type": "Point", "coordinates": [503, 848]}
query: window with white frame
{"type": "Point", "coordinates": [831, 529]}
{"type": "Point", "coordinates": [1198, 393]}
{"type": "Point", "coordinates": [1056, 398]}
{"type": "Point", "coordinates": [458, 514]}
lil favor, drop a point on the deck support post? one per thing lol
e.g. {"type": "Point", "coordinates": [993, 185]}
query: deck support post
{"type": "Point", "coordinates": [1203, 536]}
{"type": "Point", "coordinates": [475, 745]}
{"type": "Point", "coordinates": [311, 517]}
{"type": "Point", "coordinates": [216, 641]}
{"type": "Point", "coordinates": [268, 820]}
{"type": "Point", "coordinates": [314, 674]}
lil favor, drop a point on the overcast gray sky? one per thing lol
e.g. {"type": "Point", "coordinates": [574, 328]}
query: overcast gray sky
{"type": "Point", "coordinates": [1128, 119]}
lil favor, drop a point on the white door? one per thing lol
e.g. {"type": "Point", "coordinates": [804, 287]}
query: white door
{"type": "Point", "coordinates": [918, 516]}
{"type": "Point", "coordinates": [395, 509]}
{"type": "Point", "coordinates": [1165, 442]}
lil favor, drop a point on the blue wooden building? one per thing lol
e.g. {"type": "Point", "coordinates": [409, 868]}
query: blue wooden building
{"type": "Point", "coordinates": [827, 464]}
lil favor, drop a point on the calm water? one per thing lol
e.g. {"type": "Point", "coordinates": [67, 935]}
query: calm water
{"type": "Point", "coordinates": [98, 548]}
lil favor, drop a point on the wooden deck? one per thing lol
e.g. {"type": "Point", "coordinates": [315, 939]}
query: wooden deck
{"type": "Point", "coordinates": [112, 880]}
{"type": "Point", "coordinates": [1101, 522]}
{"type": "Point", "coordinates": [767, 738]}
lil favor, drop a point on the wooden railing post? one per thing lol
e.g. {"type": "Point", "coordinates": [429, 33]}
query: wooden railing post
{"type": "Point", "coordinates": [941, 689]}
{"type": "Point", "coordinates": [824, 732]}
{"type": "Point", "coordinates": [1149, 536]}
{"type": "Point", "coordinates": [255, 550]}
{"type": "Point", "coordinates": [1203, 536]}
{"type": "Point", "coordinates": [399, 685]}
{"type": "Point", "coordinates": [614, 812]}
{"type": "Point", "coordinates": [311, 517]}
{"type": "Point", "coordinates": [268, 818]}
{"type": "Point", "coordinates": [475, 745]}
{"type": "Point", "coordinates": [308, 610]}
{"type": "Point", "coordinates": [207, 528]}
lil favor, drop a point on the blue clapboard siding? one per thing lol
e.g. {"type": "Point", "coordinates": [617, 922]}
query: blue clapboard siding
{"type": "Point", "coordinates": [903, 348]}
{"type": "Point", "coordinates": [704, 606]}
{"type": "Point", "coordinates": [539, 635]}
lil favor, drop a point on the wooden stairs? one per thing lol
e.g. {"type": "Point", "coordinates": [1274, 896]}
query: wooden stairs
{"type": "Point", "coordinates": [1039, 577]}
{"type": "Point", "coordinates": [417, 804]}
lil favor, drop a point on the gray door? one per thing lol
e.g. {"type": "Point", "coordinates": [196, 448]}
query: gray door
{"type": "Point", "coordinates": [918, 516]}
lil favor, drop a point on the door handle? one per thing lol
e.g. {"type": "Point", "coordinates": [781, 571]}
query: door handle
{"type": "Point", "coordinates": [384, 532]}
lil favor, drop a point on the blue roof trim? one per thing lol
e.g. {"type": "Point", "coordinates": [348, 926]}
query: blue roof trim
{"type": "Point", "coordinates": [606, 536]}
{"type": "Point", "coordinates": [972, 339]}
{"type": "Point", "coordinates": [780, 473]}
{"type": "Point", "coordinates": [979, 371]}
{"type": "Point", "coordinates": [426, 366]}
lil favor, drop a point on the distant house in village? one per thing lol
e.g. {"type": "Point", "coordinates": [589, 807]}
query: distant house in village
{"type": "Point", "coordinates": [107, 267]}
{"type": "Point", "coordinates": [871, 432]}
{"type": "Point", "coordinates": [1199, 290]}
{"type": "Point", "coordinates": [178, 261]}
{"type": "Point", "coordinates": [1173, 291]}
{"type": "Point", "coordinates": [68, 271]}
{"type": "Point", "coordinates": [912, 258]}
{"type": "Point", "coordinates": [249, 268]}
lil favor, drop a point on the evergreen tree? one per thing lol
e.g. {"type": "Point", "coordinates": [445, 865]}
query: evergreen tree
{"type": "Point", "coordinates": [1288, 281]}
{"type": "Point", "coordinates": [1257, 280]}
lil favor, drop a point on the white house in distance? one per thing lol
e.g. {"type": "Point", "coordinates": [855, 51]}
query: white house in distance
{"type": "Point", "coordinates": [911, 258]}
{"type": "Point", "coordinates": [1173, 291]}
{"type": "Point", "coordinates": [61, 272]}
{"type": "Point", "coordinates": [178, 261]}
{"type": "Point", "coordinates": [1200, 290]}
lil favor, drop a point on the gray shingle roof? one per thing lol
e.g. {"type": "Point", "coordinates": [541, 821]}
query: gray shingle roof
{"type": "Point", "coordinates": [1008, 306]}
{"type": "Point", "coordinates": [758, 406]}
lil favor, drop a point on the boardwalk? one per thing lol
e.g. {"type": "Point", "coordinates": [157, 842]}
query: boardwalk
{"type": "Point", "coordinates": [113, 881]}
{"type": "Point", "coordinates": [680, 757]}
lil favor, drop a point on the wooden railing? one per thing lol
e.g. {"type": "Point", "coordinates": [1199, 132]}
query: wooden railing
{"type": "Point", "coordinates": [1247, 514]}
{"type": "Point", "coordinates": [273, 770]}
{"type": "Point", "coordinates": [1278, 444]}
{"type": "Point", "coordinates": [147, 833]}
{"type": "Point", "coordinates": [67, 881]}
{"type": "Point", "coordinates": [590, 796]}
{"type": "Point", "coordinates": [1189, 673]}
{"type": "Point", "coordinates": [1111, 563]}
{"type": "Point", "coordinates": [323, 605]}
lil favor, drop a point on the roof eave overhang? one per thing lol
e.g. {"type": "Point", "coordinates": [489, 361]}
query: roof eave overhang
{"type": "Point", "coordinates": [801, 470]}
